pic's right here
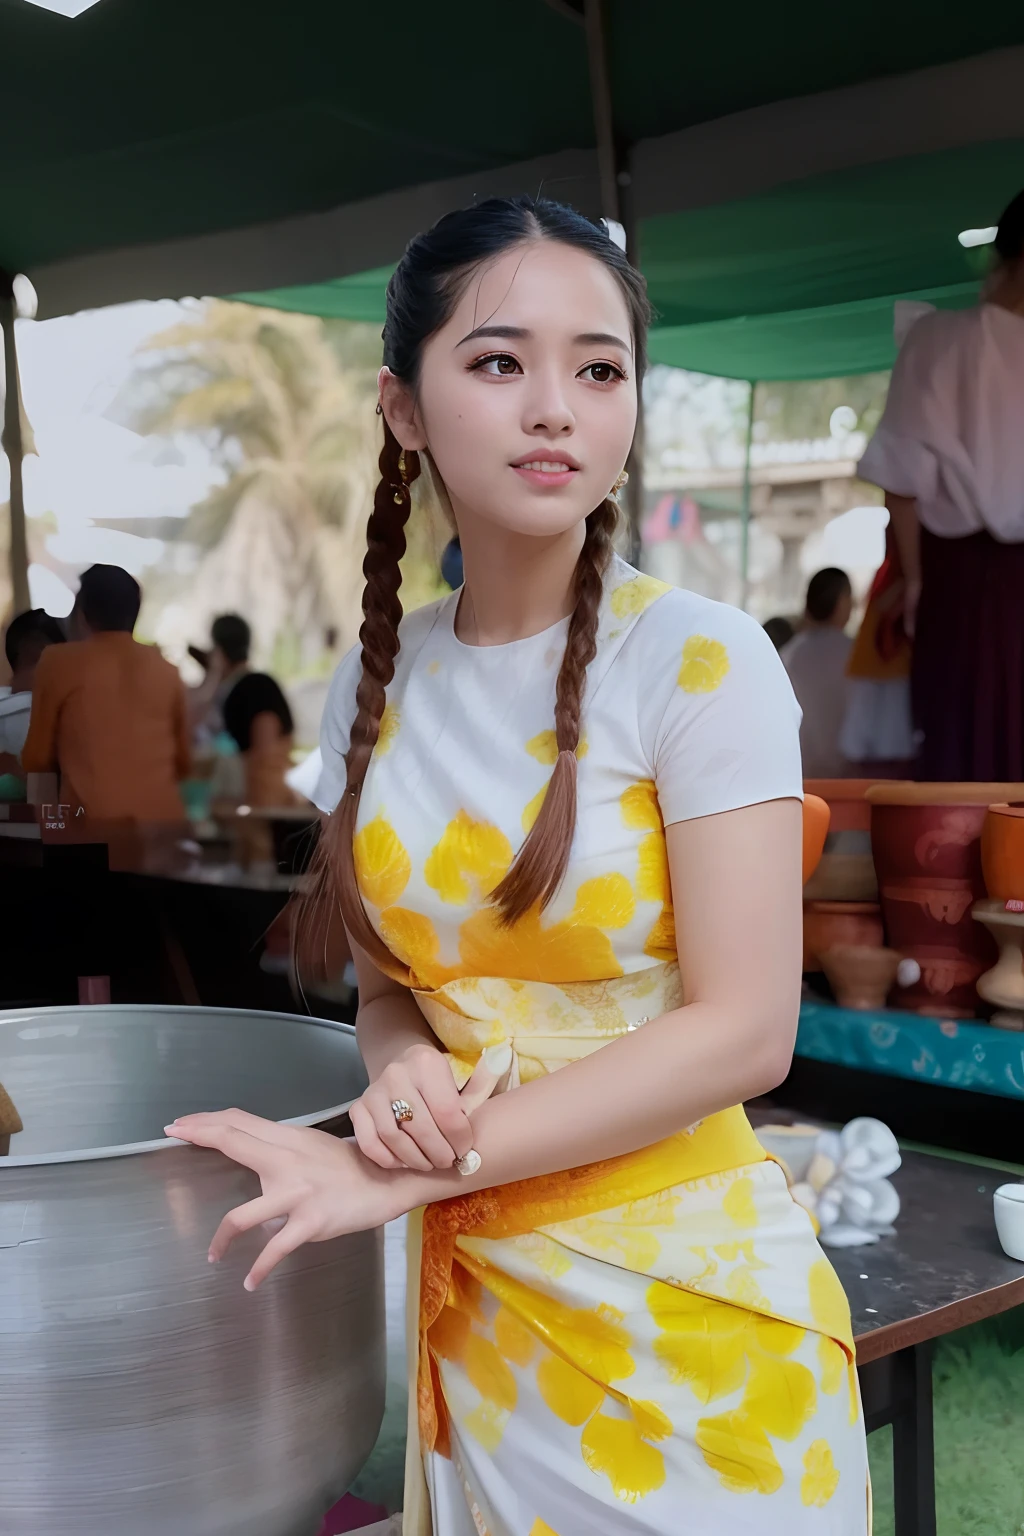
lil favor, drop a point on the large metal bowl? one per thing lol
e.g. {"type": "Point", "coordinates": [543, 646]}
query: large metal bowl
{"type": "Point", "coordinates": [143, 1392]}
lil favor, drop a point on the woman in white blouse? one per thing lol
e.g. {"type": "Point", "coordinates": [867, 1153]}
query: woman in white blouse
{"type": "Point", "coordinates": [949, 454]}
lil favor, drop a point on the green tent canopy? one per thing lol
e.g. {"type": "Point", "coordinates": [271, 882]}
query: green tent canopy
{"type": "Point", "coordinates": [798, 282]}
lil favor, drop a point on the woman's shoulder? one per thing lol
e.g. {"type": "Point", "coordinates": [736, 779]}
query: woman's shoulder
{"type": "Point", "coordinates": [673, 618]}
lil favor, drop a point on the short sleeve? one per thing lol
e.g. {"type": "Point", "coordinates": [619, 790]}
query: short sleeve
{"type": "Point", "coordinates": [335, 729]}
{"type": "Point", "coordinates": [900, 457]}
{"type": "Point", "coordinates": [719, 719]}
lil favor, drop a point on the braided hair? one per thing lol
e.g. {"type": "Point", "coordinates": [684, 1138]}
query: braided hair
{"type": "Point", "coordinates": [421, 296]}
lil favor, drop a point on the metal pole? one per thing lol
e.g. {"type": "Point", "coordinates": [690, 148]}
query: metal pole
{"type": "Point", "coordinates": [12, 444]}
{"type": "Point", "coordinates": [595, 19]}
{"type": "Point", "coordinates": [745, 505]}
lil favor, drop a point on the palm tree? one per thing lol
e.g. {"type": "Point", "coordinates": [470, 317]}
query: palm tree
{"type": "Point", "coordinates": [290, 416]}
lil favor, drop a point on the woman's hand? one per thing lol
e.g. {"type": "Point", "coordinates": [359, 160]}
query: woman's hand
{"type": "Point", "coordinates": [318, 1186]}
{"type": "Point", "coordinates": [439, 1130]}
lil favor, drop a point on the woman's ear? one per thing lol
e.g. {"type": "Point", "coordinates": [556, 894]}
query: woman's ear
{"type": "Point", "coordinates": [399, 407]}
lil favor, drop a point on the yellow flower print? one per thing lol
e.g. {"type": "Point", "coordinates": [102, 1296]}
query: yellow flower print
{"type": "Point", "coordinates": [388, 730]}
{"type": "Point", "coordinates": [781, 1396]}
{"type": "Point", "coordinates": [452, 1338]}
{"type": "Point", "coordinates": [541, 1528]}
{"type": "Point", "coordinates": [382, 865]}
{"type": "Point", "coordinates": [640, 810]}
{"type": "Point", "coordinates": [487, 1423]}
{"type": "Point", "coordinates": [629, 1237]}
{"type": "Point", "coordinates": [738, 1203]}
{"type": "Point", "coordinates": [470, 859]}
{"type": "Point", "coordinates": [705, 665]}
{"type": "Point", "coordinates": [633, 596]}
{"type": "Point", "coordinates": [574, 949]}
{"type": "Point", "coordinates": [513, 1338]}
{"type": "Point", "coordinates": [434, 668]}
{"type": "Point", "coordinates": [821, 1475]}
{"type": "Point", "coordinates": [571, 1396]}
{"type": "Point", "coordinates": [617, 1448]}
{"type": "Point", "coordinates": [702, 1343]}
{"type": "Point", "coordinates": [412, 939]}
{"type": "Point", "coordinates": [736, 1447]}
{"type": "Point", "coordinates": [832, 1360]}
{"type": "Point", "coordinates": [544, 747]}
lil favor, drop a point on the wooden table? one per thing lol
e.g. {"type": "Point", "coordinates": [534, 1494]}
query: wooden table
{"type": "Point", "coordinates": [943, 1270]}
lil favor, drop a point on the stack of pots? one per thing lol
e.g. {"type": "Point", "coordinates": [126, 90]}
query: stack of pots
{"type": "Point", "coordinates": [926, 841]}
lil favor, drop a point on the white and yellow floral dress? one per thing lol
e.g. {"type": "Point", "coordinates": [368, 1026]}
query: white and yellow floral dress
{"type": "Point", "coordinates": [653, 1344]}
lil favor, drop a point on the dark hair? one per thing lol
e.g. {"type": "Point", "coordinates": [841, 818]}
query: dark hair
{"type": "Point", "coordinates": [109, 598]}
{"type": "Point", "coordinates": [423, 292]}
{"type": "Point", "coordinates": [1010, 234]}
{"type": "Point", "coordinates": [824, 591]}
{"type": "Point", "coordinates": [779, 631]}
{"type": "Point", "coordinates": [234, 637]}
{"type": "Point", "coordinates": [32, 629]}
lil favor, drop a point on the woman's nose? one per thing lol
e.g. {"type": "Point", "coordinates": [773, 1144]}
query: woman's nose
{"type": "Point", "coordinates": [547, 411]}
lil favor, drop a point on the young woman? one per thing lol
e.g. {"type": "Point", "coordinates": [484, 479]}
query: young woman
{"type": "Point", "coordinates": [565, 833]}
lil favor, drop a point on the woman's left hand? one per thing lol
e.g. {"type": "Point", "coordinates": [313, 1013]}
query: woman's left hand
{"type": "Point", "coordinates": [318, 1185]}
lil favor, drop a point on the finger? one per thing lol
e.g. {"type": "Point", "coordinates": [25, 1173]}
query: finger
{"type": "Point", "coordinates": [393, 1136]}
{"type": "Point", "coordinates": [238, 1145]}
{"type": "Point", "coordinates": [269, 1131]}
{"type": "Point", "coordinates": [446, 1108]}
{"type": "Point", "coordinates": [367, 1140]}
{"type": "Point", "coordinates": [424, 1131]}
{"type": "Point", "coordinates": [242, 1219]}
{"type": "Point", "coordinates": [491, 1068]}
{"type": "Point", "coordinates": [290, 1237]}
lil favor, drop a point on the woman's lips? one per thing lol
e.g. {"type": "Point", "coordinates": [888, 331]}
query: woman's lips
{"type": "Point", "coordinates": [548, 472]}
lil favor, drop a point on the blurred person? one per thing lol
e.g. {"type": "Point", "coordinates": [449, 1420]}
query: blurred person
{"type": "Point", "coordinates": [816, 659]}
{"type": "Point", "coordinates": [949, 455]}
{"type": "Point", "coordinates": [779, 631]}
{"type": "Point", "coordinates": [252, 709]}
{"type": "Point", "coordinates": [109, 714]}
{"type": "Point", "coordinates": [26, 639]}
{"type": "Point", "coordinates": [877, 738]}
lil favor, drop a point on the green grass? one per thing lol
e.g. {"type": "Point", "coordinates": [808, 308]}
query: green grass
{"type": "Point", "coordinates": [978, 1378]}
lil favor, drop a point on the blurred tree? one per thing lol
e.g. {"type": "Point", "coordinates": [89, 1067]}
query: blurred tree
{"type": "Point", "coordinates": [292, 422]}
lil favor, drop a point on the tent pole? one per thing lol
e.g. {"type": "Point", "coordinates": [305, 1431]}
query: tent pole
{"type": "Point", "coordinates": [614, 177]}
{"type": "Point", "coordinates": [745, 505]}
{"type": "Point", "coordinates": [12, 444]}
{"type": "Point", "coordinates": [595, 18]}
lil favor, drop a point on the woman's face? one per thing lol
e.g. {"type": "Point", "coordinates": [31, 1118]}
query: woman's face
{"type": "Point", "coordinates": [527, 396]}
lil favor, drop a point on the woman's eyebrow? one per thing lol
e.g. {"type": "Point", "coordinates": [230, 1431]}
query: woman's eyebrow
{"type": "Point", "coordinates": [507, 332]}
{"type": "Point", "coordinates": [601, 338]}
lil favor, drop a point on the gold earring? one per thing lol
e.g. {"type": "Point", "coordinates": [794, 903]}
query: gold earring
{"type": "Point", "coordinates": [620, 482]}
{"type": "Point", "coordinates": [400, 490]}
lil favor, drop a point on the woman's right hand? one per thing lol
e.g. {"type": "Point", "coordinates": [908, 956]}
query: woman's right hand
{"type": "Point", "coordinates": [440, 1130]}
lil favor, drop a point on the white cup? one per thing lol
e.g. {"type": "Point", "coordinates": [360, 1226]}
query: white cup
{"type": "Point", "coordinates": [1008, 1204]}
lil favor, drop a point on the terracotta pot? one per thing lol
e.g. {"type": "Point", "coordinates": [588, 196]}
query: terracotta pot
{"type": "Point", "coordinates": [926, 840]}
{"type": "Point", "coordinates": [816, 818]}
{"type": "Point", "coordinates": [828, 923]}
{"type": "Point", "coordinates": [846, 802]}
{"type": "Point", "coordinates": [1002, 852]}
{"type": "Point", "coordinates": [860, 975]}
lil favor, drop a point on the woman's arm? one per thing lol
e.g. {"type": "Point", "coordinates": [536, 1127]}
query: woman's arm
{"type": "Point", "coordinates": [906, 530]}
{"type": "Point", "coordinates": [736, 889]}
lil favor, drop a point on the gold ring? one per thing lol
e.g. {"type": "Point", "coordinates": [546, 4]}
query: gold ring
{"type": "Point", "coordinates": [401, 1111]}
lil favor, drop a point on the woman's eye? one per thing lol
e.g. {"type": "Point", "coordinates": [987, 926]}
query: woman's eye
{"type": "Point", "coordinates": [499, 364]}
{"type": "Point", "coordinates": [602, 373]}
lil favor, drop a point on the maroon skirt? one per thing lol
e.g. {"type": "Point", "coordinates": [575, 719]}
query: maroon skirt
{"type": "Point", "coordinates": [968, 669]}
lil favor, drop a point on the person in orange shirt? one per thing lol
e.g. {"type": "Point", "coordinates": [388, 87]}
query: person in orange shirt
{"type": "Point", "coordinates": [108, 714]}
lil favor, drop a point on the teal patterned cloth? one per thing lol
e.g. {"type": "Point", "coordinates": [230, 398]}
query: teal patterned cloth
{"type": "Point", "coordinates": [958, 1053]}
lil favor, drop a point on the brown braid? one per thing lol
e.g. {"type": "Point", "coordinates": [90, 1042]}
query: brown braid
{"type": "Point", "coordinates": [333, 871]}
{"type": "Point", "coordinates": [540, 865]}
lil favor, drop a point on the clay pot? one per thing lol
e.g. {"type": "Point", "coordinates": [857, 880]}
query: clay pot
{"type": "Point", "coordinates": [828, 923]}
{"type": "Point", "coordinates": [860, 975]}
{"type": "Point", "coordinates": [816, 819]}
{"type": "Point", "coordinates": [1002, 852]}
{"type": "Point", "coordinates": [926, 840]}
